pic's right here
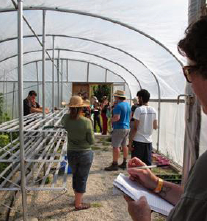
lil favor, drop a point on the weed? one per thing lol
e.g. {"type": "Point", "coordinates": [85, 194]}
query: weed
{"type": "Point", "coordinates": [96, 205]}
{"type": "Point", "coordinates": [47, 181]}
{"type": "Point", "coordinates": [105, 143]}
{"type": "Point", "coordinates": [105, 149]}
{"type": "Point", "coordinates": [95, 148]}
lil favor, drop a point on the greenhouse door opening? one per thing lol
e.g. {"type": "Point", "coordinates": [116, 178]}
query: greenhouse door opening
{"type": "Point", "coordinates": [94, 89]}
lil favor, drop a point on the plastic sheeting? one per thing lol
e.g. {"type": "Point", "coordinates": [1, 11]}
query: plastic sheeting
{"type": "Point", "coordinates": [131, 44]}
{"type": "Point", "coordinates": [137, 39]}
{"type": "Point", "coordinates": [172, 129]}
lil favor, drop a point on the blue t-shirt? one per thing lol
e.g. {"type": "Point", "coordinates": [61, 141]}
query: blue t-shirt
{"type": "Point", "coordinates": [123, 109]}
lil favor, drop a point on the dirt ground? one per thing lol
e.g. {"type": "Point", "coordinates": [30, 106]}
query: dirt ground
{"type": "Point", "coordinates": [58, 206]}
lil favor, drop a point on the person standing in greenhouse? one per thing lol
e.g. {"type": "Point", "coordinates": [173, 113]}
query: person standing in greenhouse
{"type": "Point", "coordinates": [145, 120]}
{"type": "Point", "coordinates": [120, 134]}
{"type": "Point", "coordinates": [190, 202]}
{"type": "Point", "coordinates": [104, 108]}
{"type": "Point", "coordinates": [31, 106]}
{"type": "Point", "coordinates": [133, 108]}
{"type": "Point", "coordinates": [96, 116]}
{"type": "Point", "coordinates": [80, 155]}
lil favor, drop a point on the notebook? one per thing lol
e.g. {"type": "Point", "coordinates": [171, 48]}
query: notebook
{"type": "Point", "coordinates": [135, 191]}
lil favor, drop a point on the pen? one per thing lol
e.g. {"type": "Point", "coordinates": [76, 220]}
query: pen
{"type": "Point", "coordinates": [152, 166]}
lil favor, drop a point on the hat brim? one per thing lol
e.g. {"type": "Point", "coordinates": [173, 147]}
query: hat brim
{"type": "Point", "coordinates": [118, 95]}
{"type": "Point", "coordinates": [84, 104]}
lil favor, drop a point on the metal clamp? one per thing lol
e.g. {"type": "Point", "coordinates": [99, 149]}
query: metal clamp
{"type": "Point", "coordinates": [190, 99]}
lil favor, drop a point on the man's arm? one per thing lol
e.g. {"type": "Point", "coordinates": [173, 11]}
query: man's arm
{"type": "Point", "coordinates": [155, 125]}
{"type": "Point", "coordinates": [134, 130]}
{"type": "Point", "coordinates": [36, 110]}
{"type": "Point", "coordinates": [115, 118]}
{"type": "Point", "coordinates": [170, 191]}
{"type": "Point", "coordinates": [39, 110]}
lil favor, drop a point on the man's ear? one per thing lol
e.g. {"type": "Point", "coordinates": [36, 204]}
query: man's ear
{"type": "Point", "coordinates": [140, 100]}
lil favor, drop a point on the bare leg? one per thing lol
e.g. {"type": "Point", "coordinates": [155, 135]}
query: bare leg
{"type": "Point", "coordinates": [125, 155]}
{"type": "Point", "coordinates": [125, 152]}
{"type": "Point", "coordinates": [116, 152]}
{"type": "Point", "coordinates": [78, 199]}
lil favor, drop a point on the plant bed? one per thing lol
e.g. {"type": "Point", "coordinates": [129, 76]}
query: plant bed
{"type": "Point", "coordinates": [164, 170]}
{"type": "Point", "coordinates": [174, 178]}
{"type": "Point", "coordinates": [168, 174]}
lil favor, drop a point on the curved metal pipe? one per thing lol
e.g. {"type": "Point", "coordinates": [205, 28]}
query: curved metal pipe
{"type": "Point", "coordinates": [89, 63]}
{"type": "Point", "coordinates": [98, 56]}
{"type": "Point", "coordinates": [100, 17]}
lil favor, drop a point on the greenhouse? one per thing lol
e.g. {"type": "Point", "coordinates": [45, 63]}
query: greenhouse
{"type": "Point", "coordinates": [62, 48]}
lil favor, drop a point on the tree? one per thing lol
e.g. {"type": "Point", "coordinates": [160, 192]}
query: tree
{"type": "Point", "coordinates": [102, 90]}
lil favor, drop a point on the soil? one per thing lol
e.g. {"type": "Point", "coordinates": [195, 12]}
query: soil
{"type": "Point", "coordinates": [58, 206]}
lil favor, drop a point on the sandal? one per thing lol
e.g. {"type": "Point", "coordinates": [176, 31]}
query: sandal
{"type": "Point", "coordinates": [83, 206]}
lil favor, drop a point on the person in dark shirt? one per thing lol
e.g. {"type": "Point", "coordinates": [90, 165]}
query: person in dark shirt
{"type": "Point", "coordinates": [31, 106]}
{"type": "Point", "coordinates": [133, 108]}
{"type": "Point", "coordinates": [96, 116]}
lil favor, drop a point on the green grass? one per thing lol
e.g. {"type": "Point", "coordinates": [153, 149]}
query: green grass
{"type": "Point", "coordinates": [95, 148]}
{"type": "Point", "coordinates": [160, 219]}
{"type": "Point", "coordinates": [48, 180]}
{"type": "Point", "coordinates": [105, 143]}
{"type": "Point", "coordinates": [96, 205]}
{"type": "Point", "coordinates": [105, 149]}
{"type": "Point", "coordinates": [102, 139]}
{"type": "Point", "coordinates": [108, 139]}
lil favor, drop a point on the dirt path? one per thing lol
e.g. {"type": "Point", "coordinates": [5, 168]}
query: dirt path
{"type": "Point", "coordinates": [105, 206]}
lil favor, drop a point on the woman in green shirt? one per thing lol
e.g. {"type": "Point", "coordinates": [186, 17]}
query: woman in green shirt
{"type": "Point", "coordinates": [80, 155]}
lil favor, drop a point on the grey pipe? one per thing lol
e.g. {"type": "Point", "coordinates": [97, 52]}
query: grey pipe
{"type": "Point", "coordinates": [53, 74]}
{"type": "Point", "coordinates": [20, 96]}
{"type": "Point", "coordinates": [43, 63]}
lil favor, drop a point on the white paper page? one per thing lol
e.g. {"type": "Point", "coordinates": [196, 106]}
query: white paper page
{"type": "Point", "coordinates": [135, 191]}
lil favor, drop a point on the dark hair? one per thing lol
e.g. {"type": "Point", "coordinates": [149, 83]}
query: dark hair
{"type": "Point", "coordinates": [75, 112]}
{"type": "Point", "coordinates": [122, 98]}
{"type": "Point", "coordinates": [194, 45]}
{"type": "Point", "coordinates": [31, 93]}
{"type": "Point", "coordinates": [144, 94]}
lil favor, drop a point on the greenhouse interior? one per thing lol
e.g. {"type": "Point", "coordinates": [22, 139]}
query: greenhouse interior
{"type": "Point", "coordinates": [62, 48]}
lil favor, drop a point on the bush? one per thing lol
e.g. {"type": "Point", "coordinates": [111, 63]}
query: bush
{"type": "Point", "coordinates": [4, 140]}
{"type": "Point", "coordinates": [102, 90]}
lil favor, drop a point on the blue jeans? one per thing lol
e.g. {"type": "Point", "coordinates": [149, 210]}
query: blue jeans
{"type": "Point", "coordinates": [142, 151]}
{"type": "Point", "coordinates": [80, 163]}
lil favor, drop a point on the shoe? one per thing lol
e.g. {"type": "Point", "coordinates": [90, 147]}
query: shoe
{"type": "Point", "coordinates": [123, 165]}
{"type": "Point", "coordinates": [113, 167]}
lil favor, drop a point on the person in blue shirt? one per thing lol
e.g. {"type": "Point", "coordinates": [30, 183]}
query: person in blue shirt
{"type": "Point", "coordinates": [120, 123]}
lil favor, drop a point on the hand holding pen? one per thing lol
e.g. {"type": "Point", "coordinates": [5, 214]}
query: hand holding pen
{"type": "Point", "coordinates": [140, 172]}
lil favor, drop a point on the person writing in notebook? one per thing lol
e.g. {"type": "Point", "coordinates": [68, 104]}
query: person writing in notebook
{"type": "Point", "coordinates": [190, 202]}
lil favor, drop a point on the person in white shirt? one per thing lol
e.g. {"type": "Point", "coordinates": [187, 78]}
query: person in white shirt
{"type": "Point", "coordinates": [145, 118]}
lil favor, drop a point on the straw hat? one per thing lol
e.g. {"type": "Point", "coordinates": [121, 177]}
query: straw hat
{"type": "Point", "coordinates": [119, 93]}
{"type": "Point", "coordinates": [77, 101]}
